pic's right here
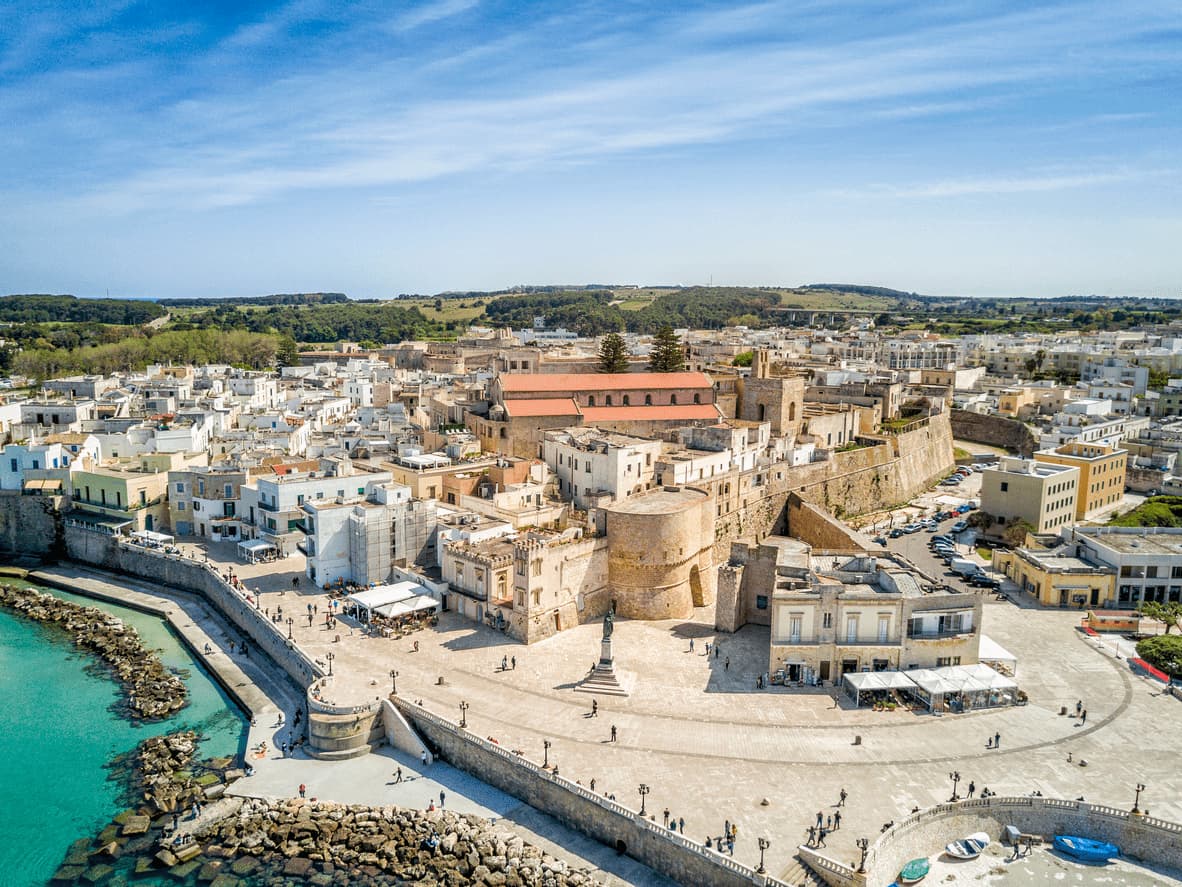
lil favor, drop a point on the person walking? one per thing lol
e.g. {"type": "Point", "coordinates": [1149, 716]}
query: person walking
{"type": "Point", "coordinates": [504, 663]}
{"type": "Point", "coordinates": [836, 820]}
{"type": "Point", "coordinates": [972, 788]}
{"type": "Point", "coordinates": [666, 817]}
{"type": "Point", "coordinates": [424, 757]}
{"type": "Point", "coordinates": [841, 798]}
{"type": "Point", "coordinates": [821, 837]}
{"type": "Point", "coordinates": [812, 835]}
{"type": "Point", "coordinates": [716, 650]}
{"type": "Point", "coordinates": [691, 645]}
{"type": "Point", "coordinates": [398, 775]}
{"type": "Point", "coordinates": [1078, 707]}
{"type": "Point", "coordinates": [1083, 717]}
{"type": "Point", "coordinates": [681, 824]}
{"type": "Point", "coordinates": [997, 740]}
{"type": "Point", "coordinates": [513, 662]}
{"type": "Point", "coordinates": [727, 665]}
{"type": "Point", "coordinates": [820, 819]}
{"type": "Point", "coordinates": [829, 823]}
{"type": "Point", "coordinates": [613, 739]}
{"type": "Point", "coordinates": [594, 708]}
{"type": "Point", "coordinates": [442, 799]}
{"type": "Point", "coordinates": [303, 790]}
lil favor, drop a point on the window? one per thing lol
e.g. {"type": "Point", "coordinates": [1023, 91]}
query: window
{"type": "Point", "coordinates": [697, 398]}
{"type": "Point", "coordinates": [761, 602]}
{"type": "Point", "coordinates": [537, 567]}
{"type": "Point", "coordinates": [673, 399]}
{"type": "Point", "coordinates": [228, 491]}
{"type": "Point", "coordinates": [196, 506]}
{"type": "Point", "coordinates": [827, 620]}
{"type": "Point", "coordinates": [627, 400]}
{"type": "Point", "coordinates": [648, 400]}
{"type": "Point", "coordinates": [884, 628]}
{"type": "Point", "coordinates": [851, 628]}
{"type": "Point", "coordinates": [180, 506]}
{"type": "Point", "coordinates": [794, 630]}
{"type": "Point", "coordinates": [608, 400]}
{"type": "Point", "coordinates": [591, 400]}
{"type": "Point", "coordinates": [180, 488]}
{"type": "Point", "coordinates": [1005, 486]}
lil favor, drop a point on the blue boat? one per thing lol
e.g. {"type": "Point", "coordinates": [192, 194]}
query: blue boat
{"type": "Point", "coordinates": [1085, 848]}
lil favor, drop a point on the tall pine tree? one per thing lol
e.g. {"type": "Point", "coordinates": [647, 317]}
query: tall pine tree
{"type": "Point", "coordinates": [613, 354]}
{"type": "Point", "coordinates": [666, 356]}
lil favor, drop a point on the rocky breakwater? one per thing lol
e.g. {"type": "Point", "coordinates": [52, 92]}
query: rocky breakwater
{"type": "Point", "coordinates": [296, 841]}
{"type": "Point", "coordinates": [164, 784]}
{"type": "Point", "coordinates": [150, 690]}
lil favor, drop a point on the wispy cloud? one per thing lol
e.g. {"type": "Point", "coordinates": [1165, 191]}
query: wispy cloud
{"type": "Point", "coordinates": [1013, 184]}
{"type": "Point", "coordinates": [430, 12]}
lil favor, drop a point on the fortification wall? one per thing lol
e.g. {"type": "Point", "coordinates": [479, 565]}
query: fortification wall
{"type": "Point", "coordinates": [996, 431]}
{"type": "Point", "coordinates": [30, 525]}
{"type": "Point", "coordinates": [810, 524]}
{"type": "Point", "coordinates": [609, 822]}
{"type": "Point", "coordinates": [109, 553]}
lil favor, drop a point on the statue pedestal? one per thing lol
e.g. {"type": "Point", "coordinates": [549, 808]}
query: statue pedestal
{"type": "Point", "coordinates": [603, 678]}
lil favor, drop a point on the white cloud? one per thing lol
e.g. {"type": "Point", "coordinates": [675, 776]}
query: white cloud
{"type": "Point", "coordinates": [430, 12]}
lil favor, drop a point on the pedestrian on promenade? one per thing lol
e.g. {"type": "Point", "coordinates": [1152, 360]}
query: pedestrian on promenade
{"type": "Point", "coordinates": [691, 645]}
{"type": "Point", "coordinates": [681, 824]}
{"type": "Point", "coordinates": [727, 665]}
{"type": "Point", "coordinates": [504, 663]}
{"type": "Point", "coordinates": [972, 788]}
{"type": "Point", "coordinates": [514, 663]}
{"type": "Point", "coordinates": [666, 815]}
{"type": "Point", "coordinates": [1078, 707]}
{"type": "Point", "coordinates": [715, 650]}
{"type": "Point", "coordinates": [424, 757]}
{"type": "Point", "coordinates": [829, 823]}
{"type": "Point", "coordinates": [821, 837]}
{"type": "Point", "coordinates": [316, 609]}
{"type": "Point", "coordinates": [707, 648]}
{"type": "Point", "coordinates": [841, 798]}
{"type": "Point", "coordinates": [398, 775]}
{"type": "Point", "coordinates": [592, 785]}
{"type": "Point", "coordinates": [442, 799]}
{"type": "Point", "coordinates": [997, 740]}
{"type": "Point", "coordinates": [820, 819]}
{"type": "Point", "coordinates": [812, 835]}
{"type": "Point", "coordinates": [836, 820]}
{"type": "Point", "coordinates": [613, 739]}
{"type": "Point", "coordinates": [303, 790]}
{"type": "Point", "coordinates": [594, 708]}
{"type": "Point", "coordinates": [309, 608]}
{"type": "Point", "coordinates": [1083, 718]}
{"type": "Point", "coordinates": [730, 846]}
{"type": "Point", "coordinates": [726, 828]}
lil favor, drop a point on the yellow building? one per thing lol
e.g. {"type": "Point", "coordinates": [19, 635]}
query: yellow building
{"type": "Point", "coordinates": [1056, 578]}
{"type": "Point", "coordinates": [1011, 401]}
{"type": "Point", "coordinates": [1101, 474]}
{"type": "Point", "coordinates": [1039, 493]}
{"type": "Point", "coordinates": [121, 497]}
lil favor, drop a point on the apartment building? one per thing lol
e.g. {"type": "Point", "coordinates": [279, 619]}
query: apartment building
{"type": "Point", "coordinates": [1147, 560]}
{"type": "Point", "coordinates": [594, 467]}
{"type": "Point", "coordinates": [1101, 474]}
{"type": "Point", "coordinates": [1040, 493]}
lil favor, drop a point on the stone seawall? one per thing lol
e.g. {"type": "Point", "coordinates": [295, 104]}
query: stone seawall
{"type": "Point", "coordinates": [108, 553]}
{"type": "Point", "coordinates": [30, 525]}
{"type": "Point", "coordinates": [608, 822]}
{"type": "Point", "coordinates": [996, 431]}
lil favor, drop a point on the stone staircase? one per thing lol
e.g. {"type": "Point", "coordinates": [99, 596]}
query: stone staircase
{"type": "Point", "coordinates": [800, 875]}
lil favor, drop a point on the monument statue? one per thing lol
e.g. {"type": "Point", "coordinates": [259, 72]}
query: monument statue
{"type": "Point", "coordinates": [608, 624]}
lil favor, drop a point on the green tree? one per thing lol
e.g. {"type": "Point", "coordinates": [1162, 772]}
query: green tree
{"type": "Point", "coordinates": [1169, 613]}
{"type": "Point", "coordinates": [1163, 651]}
{"type": "Point", "coordinates": [666, 356]}
{"type": "Point", "coordinates": [613, 354]}
{"type": "Point", "coordinates": [743, 359]}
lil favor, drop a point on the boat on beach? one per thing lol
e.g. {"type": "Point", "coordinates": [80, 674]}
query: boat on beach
{"type": "Point", "coordinates": [914, 871]}
{"type": "Point", "coordinates": [968, 848]}
{"type": "Point", "coordinates": [1085, 848]}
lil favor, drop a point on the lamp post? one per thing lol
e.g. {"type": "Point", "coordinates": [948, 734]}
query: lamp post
{"type": "Point", "coordinates": [764, 843]}
{"type": "Point", "coordinates": [290, 622]}
{"type": "Point", "coordinates": [644, 790]}
{"type": "Point", "coordinates": [545, 753]}
{"type": "Point", "coordinates": [1137, 800]}
{"type": "Point", "coordinates": [955, 777]}
{"type": "Point", "coordinates": [463, 714]}
{"type": "Point", "coordinates": [863, 845]}
{"type": "Point", "coordinates": [393, 681]}
{"type": "Point", "coordinates": [330, 656]}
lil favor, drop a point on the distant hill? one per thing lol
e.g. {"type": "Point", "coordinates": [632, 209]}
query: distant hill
{"type": "Point", "coordinates": [277, 299]}
{"type": "Point", "coordinates": [863, 290]}
{"type": "Point", "coordinates": [41, 308]}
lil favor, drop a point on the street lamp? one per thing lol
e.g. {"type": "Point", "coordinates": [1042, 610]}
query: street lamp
{"type": "Point", "coordinates": [955, 777]}
{"type": "Point", "coordinates": [464, 714]}
{"type": "Point", "coordinates": [393, 681]}
{"type": "Point", "coordinates": [644, 790]}
{"type": "Point", "coordinates": [1137, 800]}
{"type": "Point", "coordinates": [330, 656]}
{"type": "Point", "coordinates": [290, 621]}
{"type": "Point", "coordinates": [764, 843]}
{"type": "Point", "coordinates": [545, 753]}
{"type": "Point", "coordinates": [863, 845]}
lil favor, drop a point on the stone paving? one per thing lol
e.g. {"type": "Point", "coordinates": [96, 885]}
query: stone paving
{"type": "Point", "coordinates": [712, 747]}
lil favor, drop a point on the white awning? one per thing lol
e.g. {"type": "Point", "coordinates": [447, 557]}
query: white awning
{"type": "Point", "coordinates": [864, 681]}
{"type": "Point", "coordinates": [381, 595]}
{"type": "Point", "coordinates": [991, 651]}
{"type": "Point", "coordinates": [149, 536]}
{"type": "Point", "coordinates": [254, 546]}
{"type": "Point", "coordinates": [416, 604]}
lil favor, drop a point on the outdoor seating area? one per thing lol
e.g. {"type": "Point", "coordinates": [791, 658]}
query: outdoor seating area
{"type": "Point", "coordinates": [393, 610]}
{"type": "Point", "coordinates": [256, 551]}
{"type": "Point", "coordinates": [150, 539]}
{"type": "Point", "coordinates": [953, 688]}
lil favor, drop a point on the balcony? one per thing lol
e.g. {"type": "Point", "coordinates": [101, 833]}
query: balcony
{"type": "Point", "coordinates": [265, 506]}
{"type": "Point", "coordinates": [938, 634]}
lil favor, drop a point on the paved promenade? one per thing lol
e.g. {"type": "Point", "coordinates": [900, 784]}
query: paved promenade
{"type": "Point", "coordinates": [712, 747]}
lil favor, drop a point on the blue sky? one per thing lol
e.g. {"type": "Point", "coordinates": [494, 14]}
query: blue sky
{"type": "Point", "coordinates": [237, 148]}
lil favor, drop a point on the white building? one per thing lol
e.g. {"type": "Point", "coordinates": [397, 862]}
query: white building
{"type": "Point", "coordinates": [1039, 493]}
{"type": "Point", "coordinates": [596, 467]}
{"type": "Point", "coordinates": [1147, 560]}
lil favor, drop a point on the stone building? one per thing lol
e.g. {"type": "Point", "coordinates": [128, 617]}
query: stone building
{"type": "Point", "coordinates": [763, 397]}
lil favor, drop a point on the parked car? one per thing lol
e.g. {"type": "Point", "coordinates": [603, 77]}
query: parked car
{"type": "Point", "coordinates": [971, 506]}
{"type": "Point", "coordinates": [880, 540]}
{"type": "Point", "coordinates": [964, 567]}
{"type": "Point", "coordinates": [963, 509]}
{"type": "Point", "coordinates": [950, 481]}
{"type": "Point", "coordinates": [960, 526]}
{"type": "Point", "coordinates": [895, 533]}
{"type": "Point", "coordinates": [942, 537]}
{"type": "Point", "coordinates": [912, 528]}
{"type": "Point", "coordinates": [983, 581]}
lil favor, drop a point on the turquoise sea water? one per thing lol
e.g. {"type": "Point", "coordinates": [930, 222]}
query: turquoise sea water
{"type": "Point", "coordinates": [57, 733]}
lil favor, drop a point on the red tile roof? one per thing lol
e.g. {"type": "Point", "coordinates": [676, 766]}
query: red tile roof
{"type": "Point", "coordinates": [514, 383]}
{"type": "Point", "coordinates": [679, 412]}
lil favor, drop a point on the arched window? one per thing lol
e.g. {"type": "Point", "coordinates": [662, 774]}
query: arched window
{"type": "Point", "coordinates": [673, 399]}
{"type": "Point", "coordinates": [792, 412]}
{"type": "Point", "coordinates": [627, 400]}
{"type": "Point", "coordinates": [504, 433]}
{"type": "Point", "coordinates": [697, 398]}
{"type": "Point", "coordinates": [609, 400]}
{"type": "Point", "coordinates": [591, 400]}
{"type": "Point", "coordinates": [648, 400]}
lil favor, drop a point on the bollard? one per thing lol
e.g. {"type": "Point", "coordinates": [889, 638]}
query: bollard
{"type": "Point", "coordinates": [858, 740]}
